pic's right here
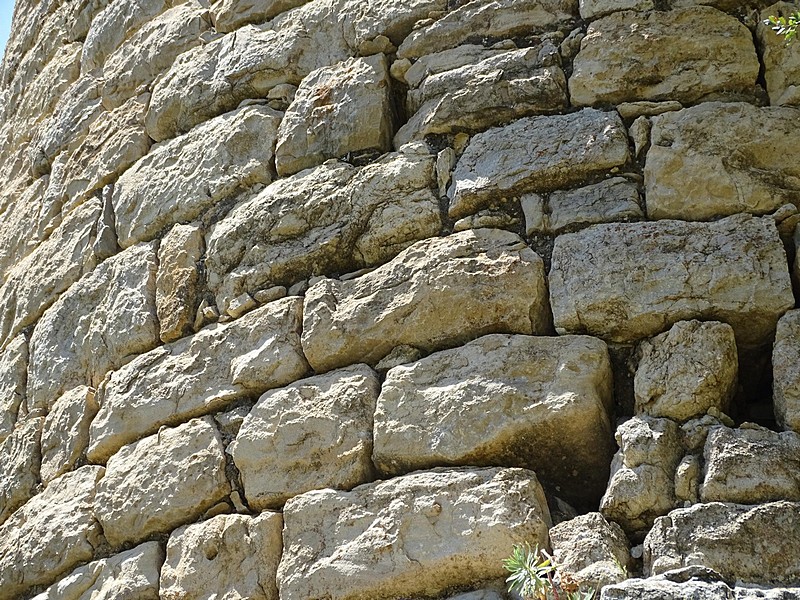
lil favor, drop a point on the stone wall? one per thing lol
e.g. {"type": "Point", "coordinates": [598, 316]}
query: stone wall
{"type": "Point", "coordinates": [342, 299]}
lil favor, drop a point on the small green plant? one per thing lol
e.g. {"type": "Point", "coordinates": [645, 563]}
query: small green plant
{"type": "Point", "coordinates": [535, 576]}
{"type": "Point", "coordinates": [785, 26]}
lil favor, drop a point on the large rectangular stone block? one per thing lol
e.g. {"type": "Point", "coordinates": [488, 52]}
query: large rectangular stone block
{"type": "Point", "coordinates": [786, 371]}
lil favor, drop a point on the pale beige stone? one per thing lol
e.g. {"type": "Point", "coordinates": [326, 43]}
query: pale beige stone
{"type": "Point", "coordinates": [332, 219]}
{"type": "Point", "coordinates": [316, 433]}
{"type": "Point", "coordinates": [592, 9]}
{"type": "Point", "coordinates": [178, 283]}
{"type": "Point", "coordinates": [101, 321]}
{"type": "Point", "coordinates": [229, 15]}
{"type": "Point", "coordinates": [51, 534]}
{"type": "Point", "coordinates": [413, 535]}
{"type": "Point", "coordinates": [230, 556]}
{"type": "Point", "coordinates": [319, 123]}
{"type": "Point", "coordinates": [541, 403]}
{"type": "Point", "coordinates": [65, 433]}
{"type": "Point", "coordinates": [131, 575]}
{"type": "Point", "coordinates": [781, 60]}
{"type": "Point", "coordinates": [521, 157]}
{"type": "Point", "coordinates": [162, 482]}
{"type": "Point", "coordinates": [706, 161]}
{"type": "Point", "coordinates": [686, 371]}
{"type": "Point", "coordinates": [751, 465]}
{"type": "Point", "coordinates": [687, 480]}
{"type": "Point", "coordinates": [630, 111]}
{"type": "Point", "coordinates": [675, 584]}
{"type": "Point", "coordinates": [719, 60]}
{"type": "Point", "coordinates": [198, 375]}
{"type": "Point", "coordinates": [21, 221]}
{"type": "Point", "coordinates": [431, 65]}
{"type": "Point", "coordinates": [755, 544]}
{"type": "Point", "coordinates": [625, 282]}
{"type": "Point", "coordinates": [182, 179]}
{"type": "Point", "coordinates": [786, 371]}
{"type": "Point", "coordinates": [19, 469]}
{"type": "Point", "coordinates": [13, 378]}
{"type": "Point", "coordinates": [438, 293]}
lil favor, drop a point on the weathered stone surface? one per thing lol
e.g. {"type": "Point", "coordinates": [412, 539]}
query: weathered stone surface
{"type": "Point", "coordinates": [751, 465]}
{"type": "Point", "coordinates": [19, 469]}
{"type": "Point", "coordinates": [336, 218]}
{"type": "Point", "coordinates": [609, 201]}
{"type": "Point", "coordinates": [438, 293]}
{"type": "Point", "coordinates": [319, 122]}
{"type": "Point", "coordinates": [161, 482]}
{"type": "Point", "coordinates": [498, 89]}
{"type": "Point", "coordinates": [95, 326]}
{"type": "Point", "coordinates": [705, 161]}
{"type": "Point", "coordinates": [624, 282]}
{"type": "Point", "coordinates": [757, 544]}
{"type": "Point", "coordinates": [592, 9]}
{"type": "Point", "coordinates": [521, 157]}
{"type": "Point", "coordinates": [229, 556]}
{"type": "Point", "coordinates": [595, 552]}
{"type": "Point", "coordinates": [687, 370]}
{"type": "Point", "coordinates": [413, 535]}
{"type": "Point", "coordinates": [642, 486]}
{"type": "Point", "coordinates": [666, 66]}
{"type": "Point", "coordinates": [135, 64]}
{"type": "Point", "coordinates": [229, 15]}
{"type": "Point", "coordinates": [661, 588]}
{"type": "Point", "coordinates": [131, 575]}
{"type": "Point", "coordinates": [198, 375]}
{"type": "Point", "coordinates": [13, 378]}
{"type": "Point", "coordinates": [51, 534]}
{"type": "Point", "coordinates": [20, 222]}
{"type": "Point", "coordinates": [535, 402]}
{"type": "Point", "coordinates": [781, 60]}
{"type": "Point", "coordinates": [65, 434]}
{"type": "Point", "coordinates": [687, 480]}
{"type": "Point", "coordinates": [178, 284]}
{"type": "Point", "coordinates": [316, 433]}
{"type": "Point", "coordinates": [786, 371]}
{"type": "Point", "coordinates": [487, 19]}
{"type": "Point", "coordinates": [182, 179]}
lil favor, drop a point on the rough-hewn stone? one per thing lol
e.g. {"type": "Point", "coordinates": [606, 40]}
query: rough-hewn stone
{"type": "Point", "coordinates": [316, 433]}
{"type": "Point", "coordinates": [178, 284]}
{"type": "Point", "coordinates": [413, 535]}
{"type": "Point", "coordinates": [180, 180]}
{"type": "Point", "coordinates": [21, 221]}
{"type": "Point", "coordinates": [199, 374]}
{"type": "Point", "coordinates": [706, 161]}
{"type": "Point", "coordinates": [630, 56]}
{"type": "Point", "coordinates": [786, 371]}
{"type": "Point", "coordinates": [624, 282]}
{"type": "Point", "coordinates": [781, 60]}
{"type": "Point", "coordinates": [229, 15]}
{"type": "Point", "coordinates": [65, 434]}
{"type": "Point", "coordinates": [521, 157]}
{"type": "Point", "coordinates": [161, 482]}
{"type": "Point", "coordinates": [335, 218]}
{"type": "Point", "coordinates": [19, 469]}
{"type": "Point", "coordinates": [13, 379]}
{"type": "Point", "coordinates": [438, 293]}
{"type": "Point", "coordinates": [229, 556]}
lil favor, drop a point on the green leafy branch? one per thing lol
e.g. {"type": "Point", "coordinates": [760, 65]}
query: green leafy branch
{"type": "Point", "coordinates": [785, 26]}
{"type": "Point", "coordinates": [535, 576]}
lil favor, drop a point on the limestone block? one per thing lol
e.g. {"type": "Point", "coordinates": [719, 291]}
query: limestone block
{"type": "Point", "coordinates": [319, 123]}
{"type": "Point", "coordinates": [521, 157]}
{"type": "Point", "coordinates": [535, 402]}
{"type": "Point", "coordinates": [751, 465]}
{"type": "Point", "coordinates": [335, 218]}
{"type": "Point", "coordinates": [198, 375]}
{"type": "Point", "coordinates": [705, 161]}
{"type": "Point", "coordinates": [592, 9]}
{"type": "Point", "coordinates": [438, 293]}
{"type": "Point", "coordinates": [316, 433]}
{"type": "Point", "coordinates": [151, 50]}
{"type": "Point", "coordinates": [36, 281]}
{"type": "Point", "coordinates": [65, 434]}
{"type": "Point", "coordinates": [229, 556]}
{"type": "Point", "coordinates": [642, 483]}
{"type": "Point", "coordinates": [660, 588]}
{"type": "Point", "coordinates": [781, 60]}
{"type": "Point", "coordinates": [640, 278]}
{"type": "Point", "coordinates": [402, 537]}
{"type": "Point", "coordinates": [20, 231]}
{"type": "Point", "coordinates": [229, 15]}
{"type": "Point", "coordinates": [13, 378]}
{"type": "Point", "coordinates": [786, 371]}
{"type": "Point", "coordinates": [51, 534]}
{"type": "Point", "coordinates": [686, 371]}
{"type": "Point", "coordinates": [162, 482]}
{"type": "Point", "coordinates": [687, 480]}
{"type": "Point", "coordinates": [178, 285]}
{"type": "Point", "coordinates": [496, 90]}
{"type": "Point", "coordinates": [719, 61]}
{"type": "Point", "coordinates": [131, 575]}
{"type": "Point", "coordinates": [609, 201]}
{"type": "Point", "coordinates": [438, 63]}
{"type": "Point", "coordinates": [595, 552]}
{"type": "Point", "coordinates": [106, 317]}
{"type": "Point", "coordinates": [755, 544]}
{"type": "Point", "coordinates": [487, 19]}
{"type": "Point", "coordinates": [180, 180]}
{"type": "Point", "coordinates": [19, 469]}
